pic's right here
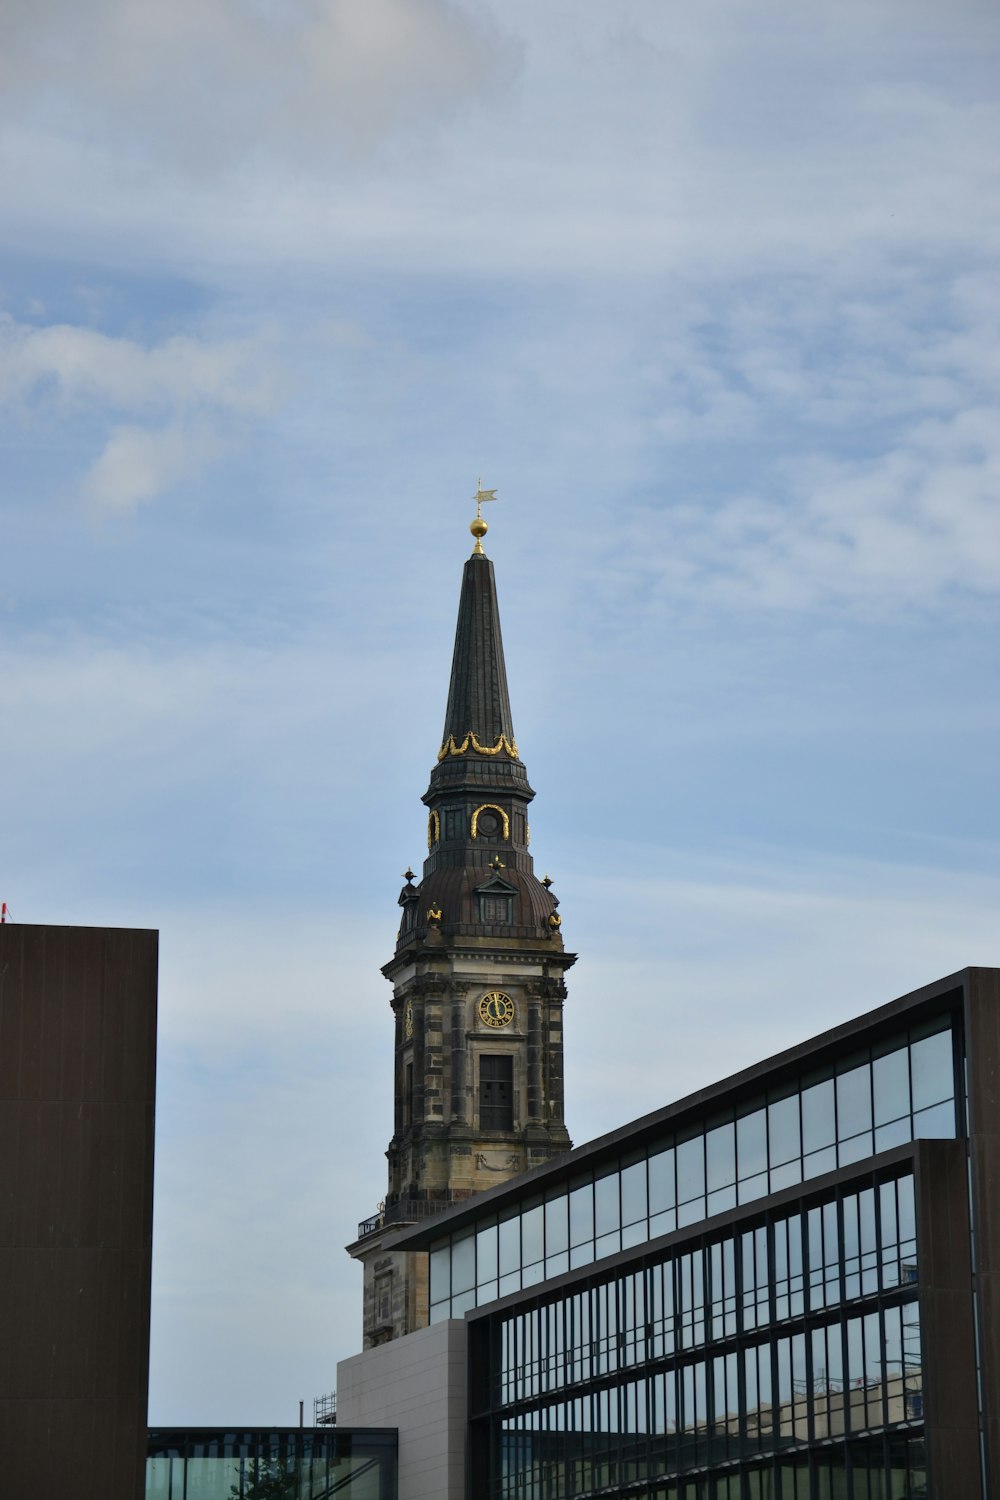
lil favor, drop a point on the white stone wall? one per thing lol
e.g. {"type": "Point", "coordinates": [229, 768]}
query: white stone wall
{"type": "Point", "coordinates": [416, 1384]}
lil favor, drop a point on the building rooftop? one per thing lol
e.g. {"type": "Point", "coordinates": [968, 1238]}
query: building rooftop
{"type": "Point", "coordinates": [725, 1095]}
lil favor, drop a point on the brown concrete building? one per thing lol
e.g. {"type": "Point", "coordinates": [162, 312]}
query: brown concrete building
{"type": "Point", "coordinates": [77, 1087]}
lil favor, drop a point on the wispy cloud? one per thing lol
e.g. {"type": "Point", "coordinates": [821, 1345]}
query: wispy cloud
{"type": "Point", "coordinates": [193, 393]}
{"type": "Point", "coordinates": [207, 87]}
{"type": "Point", "coordinates": [138, 464]}
{"type": "Point", "coordinates": [705, 291]}
{"type": "Point", "coordinates": [774, 948]}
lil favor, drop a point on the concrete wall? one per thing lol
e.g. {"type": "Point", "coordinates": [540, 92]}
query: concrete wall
{"type": "Point", "coordinates": [416, 1384]}
{"type": "Point", "coordinates": [77, 1075]}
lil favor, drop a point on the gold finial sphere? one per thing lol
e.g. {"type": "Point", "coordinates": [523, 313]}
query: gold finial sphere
{"type": "Point", "coordinates": [478, 527]}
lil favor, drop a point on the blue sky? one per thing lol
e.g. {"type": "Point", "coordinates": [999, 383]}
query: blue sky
{"type": "Point", "coordinates": [709, 294]}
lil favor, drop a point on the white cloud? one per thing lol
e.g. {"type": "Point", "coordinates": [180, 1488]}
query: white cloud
{"type": "Point", "coordinates": [580, 137]}
{"type": "Point", "coordinates": [83, 365]}
{"type": "Point", "coordinates": [139, 463]}
{"type": "Point", "coordinates": [194, 392]}
{"type": "Point", "coordinates": [207, 85]}
{"type": "Point", "coordinates": [773, 949]}
{"type": "Point", "coordinates": [864, 433]}
{"type": "Point", "coordinates": [895, 531]}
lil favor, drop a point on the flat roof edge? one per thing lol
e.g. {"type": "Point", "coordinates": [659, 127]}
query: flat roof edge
{"type": "Point", "coordinates": [786, 1061]}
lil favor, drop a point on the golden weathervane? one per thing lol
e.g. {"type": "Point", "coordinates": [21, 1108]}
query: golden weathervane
{"type": "Point", "coordinates": [479, 527]}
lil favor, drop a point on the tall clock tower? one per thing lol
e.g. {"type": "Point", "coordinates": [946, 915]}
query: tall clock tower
{"type": "Point", "coordinates": [477, 976]}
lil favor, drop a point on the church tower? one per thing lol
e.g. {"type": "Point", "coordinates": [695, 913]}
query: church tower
{"type": "Point", "coordinates": [477, 976]}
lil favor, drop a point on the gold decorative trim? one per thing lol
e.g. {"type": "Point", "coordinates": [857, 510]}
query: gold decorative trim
{"type": "Point", "coordinates": [451, 747]}
{"type": "Point", "coordinates": [433, 829]}
{"type": "Point", "coordinates": [492, 808]}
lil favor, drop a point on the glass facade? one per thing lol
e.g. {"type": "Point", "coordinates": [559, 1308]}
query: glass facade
{"type": "Point", "coordinates": [877, 1098]}
{"type": "Point", "coordinates": [712, 1363]}
{"type": "Point", "coordinates": [273, 1464]}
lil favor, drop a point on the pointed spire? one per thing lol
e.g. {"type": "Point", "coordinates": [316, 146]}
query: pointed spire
{"type": "Point", "coordinates": [478, 700]}
{"type": "Point", "coordinates": [478, 878]}
{"type": "Point", "coordinates": [478, 726]}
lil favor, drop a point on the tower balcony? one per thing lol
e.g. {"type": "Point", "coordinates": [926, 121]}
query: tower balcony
{"type": "Point", "coordinates": [405, 1211]}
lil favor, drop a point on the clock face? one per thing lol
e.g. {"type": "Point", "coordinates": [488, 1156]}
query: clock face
{"type": "Point", "coordinates": [496, 1009]}
{"type": "Point", "coordinates": [408, 1020]}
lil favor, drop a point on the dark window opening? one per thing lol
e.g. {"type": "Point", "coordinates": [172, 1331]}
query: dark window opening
{"type": "Point", "coordinates": [496, 1093]}
{"type": "Point", "coordinates": [495, 910]}
{"type": "Point", "coordinates": [408, 1095]}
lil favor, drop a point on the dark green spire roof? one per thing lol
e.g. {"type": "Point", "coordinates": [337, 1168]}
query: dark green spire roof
{"type": "Point", "coordinates": [477, 695]}
{"type": "Point", "coordinates": [478, 748]}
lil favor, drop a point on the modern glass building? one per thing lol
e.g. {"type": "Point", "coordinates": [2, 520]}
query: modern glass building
{"type": "Point", "coordinates": [782, 1286]}
{"type": "Point", "coordinates": [277, 1463]}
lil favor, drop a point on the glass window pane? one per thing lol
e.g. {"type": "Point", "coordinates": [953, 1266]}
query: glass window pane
{"type": "Point", "coordinates": [720, 1156]}
{"type": "Point", "coordinates": [690, 1168]}
{"type": "Point", "coordinates": [887, 1210]}
{"type": "Point", "coordinates": [783, 1129]}
{"type": "Point", "coordinates": [463, 1263]}
{"type": "Point", "coordinates": [556, 1226]}
{"type": "Point", "coordinates": [722, 1199]}
{"type": "Point", "coordinates": [932, 1072]}
{"type": "Point", "coordinates": [751, 1143]}
{"type": "Point", "coordinates": [692, 1211]}
{"type": "Point", "coordinates": [634, 1234]}
{"type": "Point", "coordinates": [607, 1212]}
{"type": "Point", "coordinates": [786, 1176]}
{"type": "Point", "coordinates": [906, 1209]}
{"type": "Point", "coordinates": [818, 1122]}
{"type": "Point", "coordinates": [753, 1187]}
{"type": "Point", "coordinates": [855, 1149]}
{"type": "Point", "coordinates": [460, 1305]}
{"type": "Point", "coordinates": [486, 1253]}
{"type": "Point", "coordinates": [531, 1235]}
{"type": "Point", "coordinates": [818, 1162]}
{"type": "Point", "coordinates": [510, 1244]}
{"type": "Point", "coordinates": [854, 1101]}
{"type": "Point", "coordinates": [209, 1479]}
{"type": "Point", "coordinates": [662, 1187]}
{"type": "Point", "coordinates": [664, 1223]}
{"type": "Point", "coordinates": [581, 1214]}
{"type": "Point", "coordinates": [608, 1244]}
{"type": "Point", "coordinates": [440, 1273]}
{"type": "Point", "coordinates": [633, 1182]}
{"type": "Point", "coordinates": [891, 1086]}
{"type": "Point", "coordinates": [895, 1134]}
{"type": "Point", "coordinates": [936, 1123]}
